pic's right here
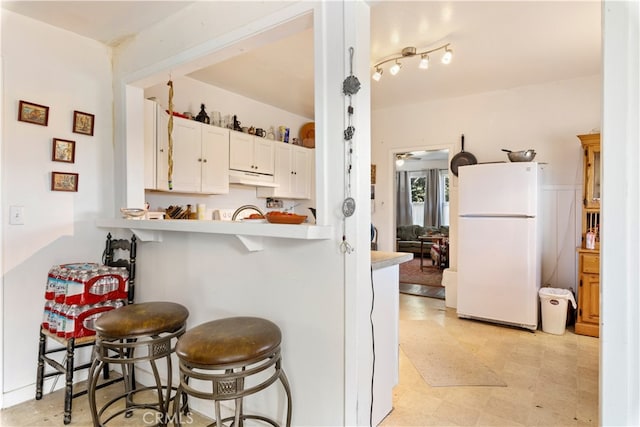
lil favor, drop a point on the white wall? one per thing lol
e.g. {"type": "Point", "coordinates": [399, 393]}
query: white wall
{"type": "Point", "coordinates": [544, 117]}
{"type": "Point", "coordinates": [48, 66]}
{"type": "Point", "coordinates": [620, 245]}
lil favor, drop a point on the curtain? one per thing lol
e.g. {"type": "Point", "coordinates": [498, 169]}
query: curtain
{"type": "Point", "coordinates": [403, 199]}
{"type": "Point", "coordinates": [432, 208]}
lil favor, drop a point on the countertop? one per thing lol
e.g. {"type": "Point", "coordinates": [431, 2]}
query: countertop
{"type": "Point", "coordinates": [380, 259]}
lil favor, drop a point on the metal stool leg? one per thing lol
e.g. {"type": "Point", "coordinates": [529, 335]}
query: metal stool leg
{"type": "Point", "coordinates": [285, 383]}
{"type": "Point", "coordinates": [94, 373]}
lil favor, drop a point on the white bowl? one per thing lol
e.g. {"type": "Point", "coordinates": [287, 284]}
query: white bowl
{"type": "Point", "coordinates": [133, 213]}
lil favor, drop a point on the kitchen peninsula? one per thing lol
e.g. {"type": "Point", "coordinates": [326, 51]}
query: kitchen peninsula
{"type": "Point", "coordinates": [385, 278]}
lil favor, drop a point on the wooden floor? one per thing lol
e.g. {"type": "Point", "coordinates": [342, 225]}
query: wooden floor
{"type": "Point", "coordinates": [552, 380]}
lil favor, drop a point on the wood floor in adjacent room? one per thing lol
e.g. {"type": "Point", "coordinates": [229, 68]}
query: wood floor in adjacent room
{"type": "Point", "coordinates": [551, 380]}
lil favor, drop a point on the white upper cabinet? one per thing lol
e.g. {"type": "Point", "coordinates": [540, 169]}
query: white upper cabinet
{"type": "Point", "coordinates": [249, 153]}
{"type": "Point", "coordinates": [200, 155]}
{"type": "Point", "coordinates": [215, 160]}
{"type": "Point", "coordinates": [292, 173]}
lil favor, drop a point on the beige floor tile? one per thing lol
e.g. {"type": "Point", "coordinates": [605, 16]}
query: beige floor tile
{"type": "Point", "coordinates": [491, 420]}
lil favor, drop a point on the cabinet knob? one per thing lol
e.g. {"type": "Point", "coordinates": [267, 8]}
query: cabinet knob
{"type": "Point", "coordinates": [162, 150]}
{"type": "Point", "coordinates": [204, 160]}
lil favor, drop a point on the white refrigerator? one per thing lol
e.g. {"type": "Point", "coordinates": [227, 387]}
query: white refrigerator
{"type": "Point", "coordinates": [499, 242]}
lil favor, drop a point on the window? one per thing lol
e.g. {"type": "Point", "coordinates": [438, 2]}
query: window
{"type": "Point", "coordinates": [417, 189]}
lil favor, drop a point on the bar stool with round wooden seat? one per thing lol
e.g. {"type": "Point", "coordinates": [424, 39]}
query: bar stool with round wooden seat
{"type": "Point", "coordinates": [136, 333]}
{"type": "Point", "coordinates": [237, 357]}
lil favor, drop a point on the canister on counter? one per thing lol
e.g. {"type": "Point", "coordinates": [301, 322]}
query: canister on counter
{"type": "Point", "coordinates": [201, 210]}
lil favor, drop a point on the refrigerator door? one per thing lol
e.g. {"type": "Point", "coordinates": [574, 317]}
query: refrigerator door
{"type": "Point", "coordinates": [499, 270]}
{"type": "Point", "coordinates": [499, 189]}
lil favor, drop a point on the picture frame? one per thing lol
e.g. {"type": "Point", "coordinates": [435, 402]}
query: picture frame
{"type": "Point", "coordinates": [64, 181]}
{"type": "Point", "coordinates": [83, 123]}
{"type": "Point", "coordinates": [33, 113]}
{"type": "Point", "coordinates": [63, 150]}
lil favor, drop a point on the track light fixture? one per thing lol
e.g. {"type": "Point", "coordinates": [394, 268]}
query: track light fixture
{"type": "Point", "coordinates": [376, 76]}
{"type": "Point", "coordinates": [395, 68]}
{"type": "Point", "coordinates": [409, 52]}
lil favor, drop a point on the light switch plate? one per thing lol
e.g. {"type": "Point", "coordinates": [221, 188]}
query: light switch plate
{"type": "Point", "coordinates": [16, 215]}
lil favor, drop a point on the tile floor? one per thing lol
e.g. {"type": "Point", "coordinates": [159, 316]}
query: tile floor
{"type": "Point", "coordinates": [551, 381]}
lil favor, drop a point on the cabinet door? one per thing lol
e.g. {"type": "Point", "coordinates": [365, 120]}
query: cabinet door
{"type": "Point", "coordinates": [162, 149]}
{"type": "Point", "coordinates": [150, 131]}
{"type": "Point", "coordinates": [215, 160]}
{"type": "Point", "coordinates": [241, 152]}
{"type": "Point", "coordinates": [186, 155]}
{"type": "Point", "coordinates": [282, 170]}
{"type": "Point", "coordinates": [301, 176]}
{"type": "Point", "coordinates": [589, 299]}
{"type": "Point", "coordinates": [592, 177]}
{"type": "Point", "coordinates": [264, 155]}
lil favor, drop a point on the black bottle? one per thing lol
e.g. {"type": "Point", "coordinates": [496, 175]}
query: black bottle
{"type": "Point", "coordinates": [202, 115]}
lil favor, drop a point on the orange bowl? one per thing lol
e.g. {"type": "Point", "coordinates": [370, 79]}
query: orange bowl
{"type": "Point", "coordinates": [285, 218]}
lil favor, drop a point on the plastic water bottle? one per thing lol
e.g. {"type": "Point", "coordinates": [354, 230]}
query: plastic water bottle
{"type": "Point", "coordinates": [53, 319]}
{"type": "Point", "coordinates": [50, 289]}
{"type": "Point", "coordinates": [61, 320]}
{"type": "Point", "coordinates": [46, 317]}
{"type": "Point", "coordinates": [70, 321]}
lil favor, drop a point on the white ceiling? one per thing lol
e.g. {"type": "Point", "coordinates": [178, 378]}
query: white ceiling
{"type": "Point", "coordinates": [497, 45]}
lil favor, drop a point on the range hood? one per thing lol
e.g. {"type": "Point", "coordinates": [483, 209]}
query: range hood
{"type": "Point", "coordinates": [251, 179]}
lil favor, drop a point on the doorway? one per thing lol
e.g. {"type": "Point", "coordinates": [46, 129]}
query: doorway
{"type": "Point", "coordinates": [421, 188]}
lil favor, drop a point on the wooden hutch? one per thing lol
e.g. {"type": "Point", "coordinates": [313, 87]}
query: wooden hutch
{"type": "Point", "coordinates": [588, 319]}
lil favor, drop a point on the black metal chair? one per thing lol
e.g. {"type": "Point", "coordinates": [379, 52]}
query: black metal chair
{"type": "Point", "coordinates": [65, 349]}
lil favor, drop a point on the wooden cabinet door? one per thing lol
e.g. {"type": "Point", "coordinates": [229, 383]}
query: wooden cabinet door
{"type": "Point", "coordinates": [592, 177]}
{"type": "Point", "coordinates": [215, 160]}
{"type": "Point", "coordinates": [589, 299]}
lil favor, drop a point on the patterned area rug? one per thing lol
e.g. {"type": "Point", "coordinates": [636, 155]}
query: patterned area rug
{"type": "Point", "coordinates": [425, 283]}
{"type": "Point", "coordinates": [410, 273]}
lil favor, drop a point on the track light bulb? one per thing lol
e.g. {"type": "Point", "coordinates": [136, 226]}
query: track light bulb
{"type": "Point", "coordinates": [399, 162]}
{"type": "Point", "coordinates": [424, 62]}
{"type": "Point", "coordinates": [448, 54]}
{"type": "Point", "coordinates": [376, 76]}
{"type": "Point", "coordinates": [395, 68]}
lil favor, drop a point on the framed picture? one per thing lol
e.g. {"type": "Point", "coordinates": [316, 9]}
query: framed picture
{"type": "Point", "coordinates": [83, 123]}
{"type": "Point", "coordinates": [64, 181]}
{"type": "Point", "coordinates": [33, 113]}
{"type": "Point", "coordinates": [63, 151]}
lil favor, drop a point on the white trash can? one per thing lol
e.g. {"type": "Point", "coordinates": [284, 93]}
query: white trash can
{"type": "Point", "coordinates": [553, 302]}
